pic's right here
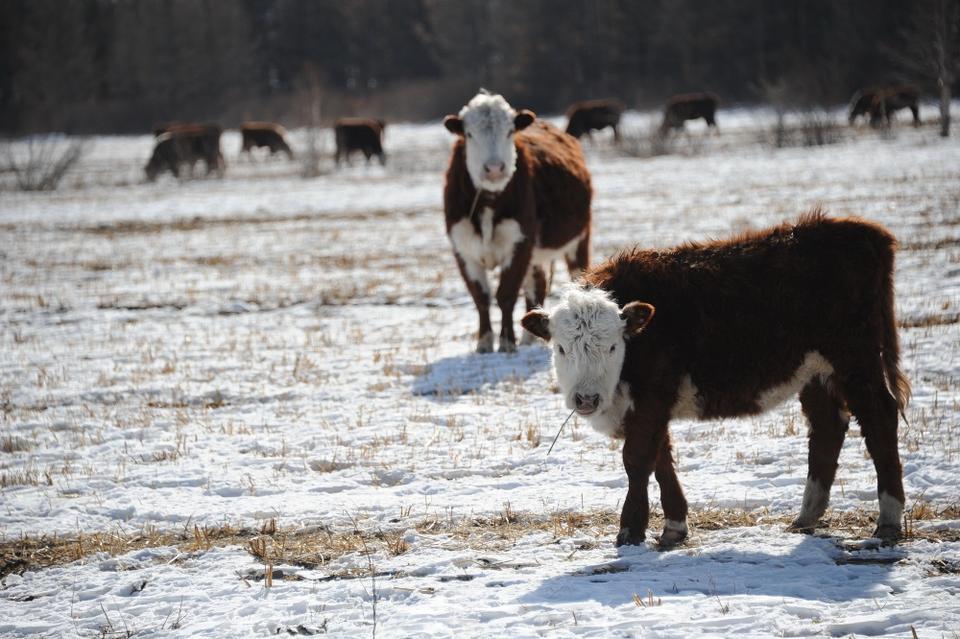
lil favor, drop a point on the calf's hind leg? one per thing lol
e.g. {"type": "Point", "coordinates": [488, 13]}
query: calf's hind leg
{"type": "Point", "coordinates": [828, 420]}
{"type": "Point", "coordinates": [876, 412]}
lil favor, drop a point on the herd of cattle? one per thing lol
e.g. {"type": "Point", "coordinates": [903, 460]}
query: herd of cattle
{"type": "Point", "coordinates": [178, 144]}
{"type": "Point", "coordinates": [725, 328]}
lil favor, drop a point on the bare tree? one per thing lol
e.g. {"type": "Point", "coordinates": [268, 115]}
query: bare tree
{"type": "Point", "coordinates": [41, 162]}
{"type": "Point", "coordinates": [931, 49]}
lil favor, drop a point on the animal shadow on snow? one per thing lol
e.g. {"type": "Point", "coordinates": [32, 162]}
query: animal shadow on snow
{"type": "Point", "coordinates": [451, 377]}
{"type": "Point", "coordinates": [815, 569]}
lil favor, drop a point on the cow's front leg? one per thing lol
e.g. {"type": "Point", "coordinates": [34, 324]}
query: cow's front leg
{"type": "Point", "coordinates": [512, 275]}
{"type": "Point", "coordinates": [475, 277]}
{"type": "Point", "coordinates": [640, 448]}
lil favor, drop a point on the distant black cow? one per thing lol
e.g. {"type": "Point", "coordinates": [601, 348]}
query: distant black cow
{"type": "Point", "coordinates": [264, 134]}
{"type": "Point", "coordinates": [185, 143]}
{"type": "Point", "coordinates": [689, 106]}
{"type": "Point", "coordinates": [879, 102]}
{"type": "Point", "coordinates": [594, 115]}
{"type": "Point", "coordinates": [359, 134]}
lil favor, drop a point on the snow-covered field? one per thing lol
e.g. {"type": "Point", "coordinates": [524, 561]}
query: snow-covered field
{"type": "Point", "coordinates": [248, 406]}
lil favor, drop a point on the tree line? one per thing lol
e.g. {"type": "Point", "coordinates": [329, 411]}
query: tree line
{"type": "Point", "coordinates": [123, 65]}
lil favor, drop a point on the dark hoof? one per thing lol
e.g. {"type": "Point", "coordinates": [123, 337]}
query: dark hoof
{"type": "Point", "coordinates": [485, 343]}
{"type": "Point", "coordinates": [888, 534]}
{"type": "Point", "coordinates": [671, 538]}
{"type": "Point", "coordinates": [627, 538]}
{"type": "Point", "coordinates": [508, 347]}
{"type": "Point", "coordinates": [799, 527]}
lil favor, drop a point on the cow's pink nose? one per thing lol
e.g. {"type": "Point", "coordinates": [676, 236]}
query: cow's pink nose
{"type": "Point", "coordinates": [494, 169]}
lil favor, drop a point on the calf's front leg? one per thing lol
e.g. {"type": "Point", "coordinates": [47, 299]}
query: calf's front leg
{"type": "Point", "coordinates": [642, 443]}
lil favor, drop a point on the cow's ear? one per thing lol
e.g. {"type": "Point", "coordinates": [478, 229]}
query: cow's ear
{"type": "Point", "coordinates": [523, 119]}
{"type": "Point", "coordinates": [454, 124]}
{"type": "Point", "coordinates": [537, 322]}
{"type": "Point", "coordinates": [637, 316]}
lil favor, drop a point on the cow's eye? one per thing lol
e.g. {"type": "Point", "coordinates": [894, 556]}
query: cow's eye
{"type": "Point", "coordinates": [613, 347]}
{"type": "Point", "coordinates": [469, 135]}
{"type": "Point", "coordinates": [560, 348]}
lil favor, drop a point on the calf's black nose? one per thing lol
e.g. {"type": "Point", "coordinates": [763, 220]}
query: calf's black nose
{"type": "Point", "coordinates": [587, 402]}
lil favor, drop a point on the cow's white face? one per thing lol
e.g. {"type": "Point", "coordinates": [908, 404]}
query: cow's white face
{"type": "Point", "coordinates": [589, 334]}
{"type": "Point", "coordinates": [488, 124]}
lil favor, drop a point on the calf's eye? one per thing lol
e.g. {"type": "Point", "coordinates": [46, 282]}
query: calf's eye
{"type": "Point", "coordinates": [562, 352]}
{"type": "Point", "coordinates": [613, 348]}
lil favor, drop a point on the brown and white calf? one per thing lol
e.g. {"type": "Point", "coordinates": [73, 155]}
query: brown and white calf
{"type": "Point", "coordinates": [517, 195]}
{"type": "Point", "coordinates": [733, 328]}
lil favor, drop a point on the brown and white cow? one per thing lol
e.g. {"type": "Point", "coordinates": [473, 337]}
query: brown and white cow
{"type": "Point", "coordinates": [517, 196]}
{"type": "Point", "coordinates": [594, 115]}
{"type": "Point", "coordinates": [264, 134]}
{"type": "Point", "coordinates": [689, 106]}
{"type": "Point", "coordinates": [733, 328]}
{"type": "Point", "coordinates": [359, 134]}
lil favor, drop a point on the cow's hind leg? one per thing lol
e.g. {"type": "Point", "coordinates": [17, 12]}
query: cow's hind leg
{"type": "Point", "coordinates": [578, 259]}
{"type": "Point", "coordinates": [534, 292]}
{"type": "Point", "coordinates": [828, 420]}
{"type": "Point", "coordinates": [876, 411]}
{"type": "Point", "coordinates": [671, 497]}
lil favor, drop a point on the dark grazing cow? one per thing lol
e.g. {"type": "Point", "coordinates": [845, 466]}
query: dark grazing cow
{"type": "Point", "coordinates": [689, 106]}
{"type": "Point", "coordinates": [517, 196]}
{"type": "Point", "coordinates": [879, 102]}
{"type": "Point", "coordinates": [359, 134]}
{"type": "Point", "coordinates": [264, 134]}
{"type": "Point", "coordinates": [594, 115]}
{"type": "Point", "coordinates": [185, 143]}
{"type": "Point", "coordinates": [732, 328]}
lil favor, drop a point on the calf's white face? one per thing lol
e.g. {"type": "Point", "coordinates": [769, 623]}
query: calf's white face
{"type": "Point", "coordinates": [488, 124]}
{"type": "Point", "coordinates": [589, 334]}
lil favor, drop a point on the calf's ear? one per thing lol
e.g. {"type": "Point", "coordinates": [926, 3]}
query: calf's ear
{"type": "Point", "coordinates": [537, 322]}
{"type": "Point", "coordinates": [523, 119]}
{"type": "Point", "coordinates": [454, 124]}
{"type": "Point", "coordinates": [637, 316]}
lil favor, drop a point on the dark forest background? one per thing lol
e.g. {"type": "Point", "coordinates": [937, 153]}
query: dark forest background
{"type": "Point", "coordinates": [122, 65]}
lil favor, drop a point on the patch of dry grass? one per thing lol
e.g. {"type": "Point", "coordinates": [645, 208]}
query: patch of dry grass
{"type": "Point", "coordinates": [316, 546]}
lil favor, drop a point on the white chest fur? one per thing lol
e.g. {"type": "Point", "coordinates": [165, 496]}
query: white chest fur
{"type": "Point", "coordinates": [492, 247]}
